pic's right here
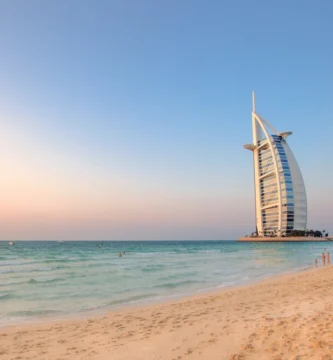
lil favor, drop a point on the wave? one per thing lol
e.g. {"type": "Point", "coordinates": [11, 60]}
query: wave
{"type": "Point", "coordinates": [17, 263]}
{"type": "Point", "coordinates": [26, 270]}
{"type": "Point", "coordinates": [133, 298]}
{"type": "Point", "coordinates": [172, 285]}
{"type": "Point", "coordinates": [60, 260]}
{"type": "Point", "coordinates": [30, 313]}
{"type": "Point", "coordinates": [8, 271]}
{"type": "Point", "coordinates": [34, 281]}
{"type": "Point", "coordinates": [178, 276]}
{"type": "Point", "coordinates": [49, 281]}
{"type": "Point", "coordinates": [153, 267]}
{"type": "Point", "coordinates": [6, 296]}
{"type": "Point", "coordinates": [216, 251]}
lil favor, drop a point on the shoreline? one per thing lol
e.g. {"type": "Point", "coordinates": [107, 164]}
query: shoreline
{"type": "Point", "coordinates": [149, 302]}
{"type": "Point", "coordinates": [145, 276]}
{"type": "Point", "coordinates": [245, 321]}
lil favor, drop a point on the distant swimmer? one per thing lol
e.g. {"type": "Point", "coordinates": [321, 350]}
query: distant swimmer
{"type": "Point", "coordinates": [316, 262]}
{"type": "Point", "coordinates": [120, 254]}
{"type": "Point", "coordinates": [323, 258]}
{"type": "Point", "coordinates": [328, 258]}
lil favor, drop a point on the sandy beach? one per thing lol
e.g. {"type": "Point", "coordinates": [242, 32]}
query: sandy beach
{"type": "Point", "coordinates": [285, 317]}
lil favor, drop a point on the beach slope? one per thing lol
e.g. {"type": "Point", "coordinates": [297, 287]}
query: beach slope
{"type": "Point", "coordinates": [286, 317]}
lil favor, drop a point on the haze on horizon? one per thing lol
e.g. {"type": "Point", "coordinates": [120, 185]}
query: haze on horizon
{"type": "Point", "coordinates": [126, 120]}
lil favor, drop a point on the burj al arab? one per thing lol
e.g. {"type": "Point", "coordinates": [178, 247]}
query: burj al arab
{"type": "Point", "coordinates": [280, 196]}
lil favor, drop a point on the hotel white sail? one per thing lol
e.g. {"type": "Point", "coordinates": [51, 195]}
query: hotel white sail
{"type": "Point", "coordinates": [280, 196]}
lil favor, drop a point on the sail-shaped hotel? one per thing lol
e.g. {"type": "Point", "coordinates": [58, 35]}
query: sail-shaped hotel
{"type": "Point", "coordinates": [280, 196]}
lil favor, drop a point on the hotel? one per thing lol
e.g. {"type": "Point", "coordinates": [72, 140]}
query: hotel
{"type": "Point", "coordinates": [280, 196]}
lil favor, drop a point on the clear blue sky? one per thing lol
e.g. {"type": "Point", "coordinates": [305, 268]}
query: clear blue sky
{"type": "Point", "coordinates": [126, 119]}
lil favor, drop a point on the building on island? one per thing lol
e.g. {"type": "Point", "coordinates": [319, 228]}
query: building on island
{"type": "Point", "coordinates": [280, 196]}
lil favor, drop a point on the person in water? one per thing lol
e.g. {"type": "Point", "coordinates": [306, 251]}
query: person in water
{"type": "Point", "coordinates": [316, 262]}
{"type": "Point", "coordinates": [328, 257]}
{"type": "Point", "coordinates": [323, 258]}
{"type": "Point", "coordinates": [120, 254]}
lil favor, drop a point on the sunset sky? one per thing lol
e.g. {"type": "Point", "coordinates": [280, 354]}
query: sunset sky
{"type": "Point", "coordinates": [125, 120]}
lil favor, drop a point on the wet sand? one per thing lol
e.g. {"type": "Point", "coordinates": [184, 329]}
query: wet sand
{"type": "Point", "coordinates": [285, 317]}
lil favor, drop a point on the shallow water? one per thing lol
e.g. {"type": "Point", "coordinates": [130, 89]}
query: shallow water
{"type": "Point", "coordinates": [39, 278]}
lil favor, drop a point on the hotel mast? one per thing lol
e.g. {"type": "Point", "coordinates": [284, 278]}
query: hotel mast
{"type": "Point", "coordinates": [280, 197]}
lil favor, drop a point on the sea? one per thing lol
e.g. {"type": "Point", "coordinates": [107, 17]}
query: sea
{"type": "Point", "coordinates": [50, 279]}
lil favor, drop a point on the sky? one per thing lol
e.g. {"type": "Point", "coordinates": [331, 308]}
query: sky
{"type": "Point", "coordinates": [125, 120]}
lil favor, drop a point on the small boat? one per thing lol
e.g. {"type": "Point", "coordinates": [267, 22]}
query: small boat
{"type": "Point", "coordinates": [10, 243]}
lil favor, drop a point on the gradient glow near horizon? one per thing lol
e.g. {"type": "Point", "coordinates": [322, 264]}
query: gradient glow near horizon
{"type": "Point", "coordinates": [126, 119]}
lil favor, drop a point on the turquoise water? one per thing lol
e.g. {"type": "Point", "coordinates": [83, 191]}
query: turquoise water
{"type": "Point", "coordinates": [40, 279]}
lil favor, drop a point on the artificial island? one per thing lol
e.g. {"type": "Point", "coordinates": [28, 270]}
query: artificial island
{"type": "Point", "coordinates": [280, 195]}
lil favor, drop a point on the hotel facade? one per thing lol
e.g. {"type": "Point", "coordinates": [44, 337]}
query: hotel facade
{"type": "Point", "coordinates": [280, 196]}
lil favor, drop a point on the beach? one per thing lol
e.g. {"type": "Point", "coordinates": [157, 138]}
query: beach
{"type": "Point", "coordinates": [49, 279]}
{"type": "Point", "coordinates": [287, 316]}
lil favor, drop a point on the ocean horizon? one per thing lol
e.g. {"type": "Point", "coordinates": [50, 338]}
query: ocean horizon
{"type": "Point", "coordinates": [42, 279]}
